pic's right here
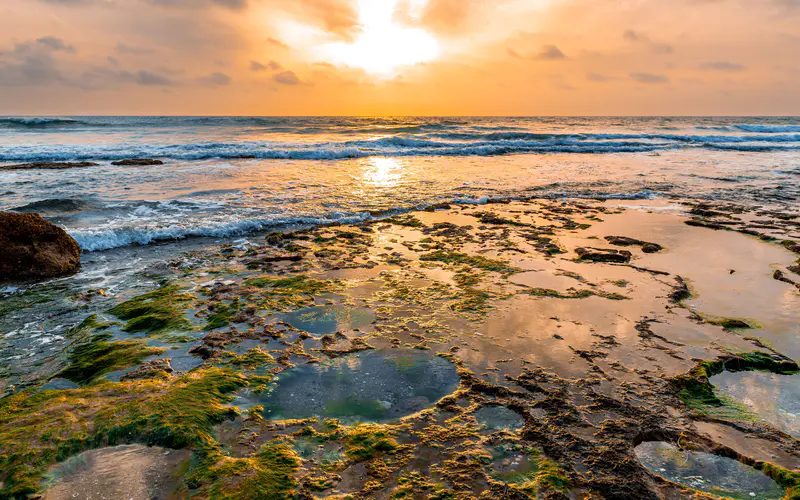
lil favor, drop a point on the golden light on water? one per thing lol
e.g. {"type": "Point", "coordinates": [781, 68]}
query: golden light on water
{"type": "Point", "coordinates": [383, 172]}
{"type": "Point", "coordinates": [383, 45]}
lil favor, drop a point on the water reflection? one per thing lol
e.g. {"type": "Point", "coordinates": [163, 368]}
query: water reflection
{"type": "Point", "coordinates": [383, 172]}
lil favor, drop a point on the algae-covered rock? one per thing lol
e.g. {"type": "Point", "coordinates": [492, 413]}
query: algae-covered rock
{"type": "Point", "coordinates": [34, 248]}
{"type": "Point", "coordinates": [604, 255]}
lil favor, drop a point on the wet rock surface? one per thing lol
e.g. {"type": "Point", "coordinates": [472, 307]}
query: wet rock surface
{"type": "Point", "coordinates": [33, 248]}
{"type": "Point", "coordinates": [131, 471]}
{"type": "Point", "coordinates": [137, 162]}
{"type": "Point", "coordinates": [466, 352]}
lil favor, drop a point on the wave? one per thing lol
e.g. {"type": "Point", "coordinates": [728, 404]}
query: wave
{"type": "Point", "coordinates": [139, 228]}
{"type": "Point", "coordinates": [38, 122]}
{"type": "Point", "coordinates": [99, 239]}
{"type": "Point", "coordinates": [769, 129]}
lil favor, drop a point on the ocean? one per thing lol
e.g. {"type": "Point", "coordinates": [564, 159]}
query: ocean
{"type": "Point", "coordinates": [225, 177]}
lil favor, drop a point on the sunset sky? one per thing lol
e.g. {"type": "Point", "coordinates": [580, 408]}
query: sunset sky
{"type": "Point", "coordinates": [400, 57]}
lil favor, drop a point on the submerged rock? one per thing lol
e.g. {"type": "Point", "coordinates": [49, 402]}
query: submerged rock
{"type": "Point", "coordinates": [603, 255]}
{"type": "Point", "coordinates": [137, 162]}
{"type": "Point", "coordinates": [34, 248]}
{"type": "Point", "coordinates": [49, 165]}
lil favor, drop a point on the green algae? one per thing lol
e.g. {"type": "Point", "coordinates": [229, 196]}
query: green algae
{"type": "Point", "coordinates": [162, 310]}
{"type": "Point", "coordinates": [39, 428]}
{"type": "Point", "coordinates": [541, 475]}
{"type": "Point", "coordinates": [291, 293]}
{"type": "Point", "coordinates": [475, 261]}
{"type": "Point", "coordinates": [267, 475]}
{"type": "Point", "coordinates": [729, 323]}
{"type": "Point", "coordinates": [365, 441]}
{"type": "Point", "coordinates": [223, 313]}
{"type": "Point", "coordinates": [574, 294]}
{"type": "Point", "coordinates": [91, 361]}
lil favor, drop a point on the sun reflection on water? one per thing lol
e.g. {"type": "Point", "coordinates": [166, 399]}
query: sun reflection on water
{"type": "Point", "coordinates": [383, 172]}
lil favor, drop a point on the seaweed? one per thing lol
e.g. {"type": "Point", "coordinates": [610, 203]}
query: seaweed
{"type": "Point", "coordinates": [162, 310]}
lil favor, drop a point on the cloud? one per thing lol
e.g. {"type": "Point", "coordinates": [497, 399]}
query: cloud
{"type": "Point", "coordinates": [649, 78]}
{"type": "Point", "coordinates": [257, 66]}
{"type": "Point", "coordinates": [148, 78]}
{"type": "Point", "coordinates": [54, 43]}
{"type": "Point", "coordinates": [655, 47]}
{"type": "Point", "coordinates": [32, 63]}
{"type": "Point", "coordinates": [123, 48]}
{"type": "Point", "coordinates": [277, 43]}
{"type": "Point", "coordinates": [216, 79]}
{"type": "Point", "coordinates": [228, 4]}
{"type": "Point", "coordinates": [550, 53]}
{"type": "Point", "coordinates": [597, 77]}
{"type": "Point", "coordinates": [724, 66]}
{"type": "Point", "coordinates": [286, 78]}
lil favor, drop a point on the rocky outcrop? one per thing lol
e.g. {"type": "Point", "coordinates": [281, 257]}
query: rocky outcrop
{"type": "Point", "coordinates": [623, 241]}
{"type": "Point", "coordinates": [33, 248]}
{"type": "Point", "coordinates": [604, 255]}
{"type": "Point", "coordinates": [137, 162]}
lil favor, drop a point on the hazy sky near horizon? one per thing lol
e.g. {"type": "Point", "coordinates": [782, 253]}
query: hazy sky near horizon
{"type": "Point", "coordinates": [400, 57]}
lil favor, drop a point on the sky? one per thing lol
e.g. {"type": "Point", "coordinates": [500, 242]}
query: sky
{"type": "Point", "coordinates": [400, 57]}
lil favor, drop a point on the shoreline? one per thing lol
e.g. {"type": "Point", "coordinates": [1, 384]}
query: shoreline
{"type": "Point", "coordinates": [595, 352]}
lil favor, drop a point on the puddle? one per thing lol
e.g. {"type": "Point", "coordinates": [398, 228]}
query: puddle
{"type": "Point", "coordinates": [131, 471]}
{"type": "Point", "coordinates": [499, 418]}
{"type": "Point", "coordinates": [370, 386]}
{"type": "Point", "coordinates": [59, 384]}
{"type": "Point", "coordinates": [775, 398]}
{"type": "Point", "coordinates": [322, 320]}
{"type": "Point", "coordinates": [707, 472]}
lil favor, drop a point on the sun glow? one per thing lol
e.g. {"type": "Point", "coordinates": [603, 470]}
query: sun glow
{"type": "Point", "coordinates": [383, 45]}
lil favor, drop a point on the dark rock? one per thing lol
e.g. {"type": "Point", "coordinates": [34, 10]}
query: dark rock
{"type": "Point", "coordinates": [603, 255]}
{"type": "Point", "coordinates": [704, 223]}
{"type": "Point", "coordinates": [137, 162]}
{"type": "Point", "coordinates": [34, 248]}
{"type": "Point", "coordinates": [778, 275]}
{"type": "Point", "coordinates": [792, 246]}
{"type": "Point", "coordinates": [149, 369]}
{"type": "Point", "coordinates": [49, 165]}
{"type": "Point", "coordinates": [680, 292]}
{"type": "Point", "coordinates": [622, 241]}
{"type": "Point", "coordinates": [651, 248]}
{"type": "Point", "coordinates": [262, 260]}
{"type": "Point", "coordinates": [705, 212]}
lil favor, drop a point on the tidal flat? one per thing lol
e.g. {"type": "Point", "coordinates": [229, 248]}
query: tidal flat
{"type": "Point", "coordinates": [525, 349]}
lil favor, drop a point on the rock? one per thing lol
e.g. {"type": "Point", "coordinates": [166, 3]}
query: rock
{"type": "Point", "coordinates": [149, 369]}
{"type": "Point", "coordinates": [651, 248]}
{"type": "Point", "coordinates": [34, 248]}
{"type": "Point", "coordinates": [778, 275]}
{"type": "Point", "coordinates": [49, 165]}
{"type": "Point", "coordinates": [263, 260]}
{"type": "Point", "coordinates": [622, 241]}
{"type": "Point", "coordinates": [137, 162]}
{"type": "Point", "coordinates": [603, 255]}
{"type": "Point", "coordinates": [704, 223]}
